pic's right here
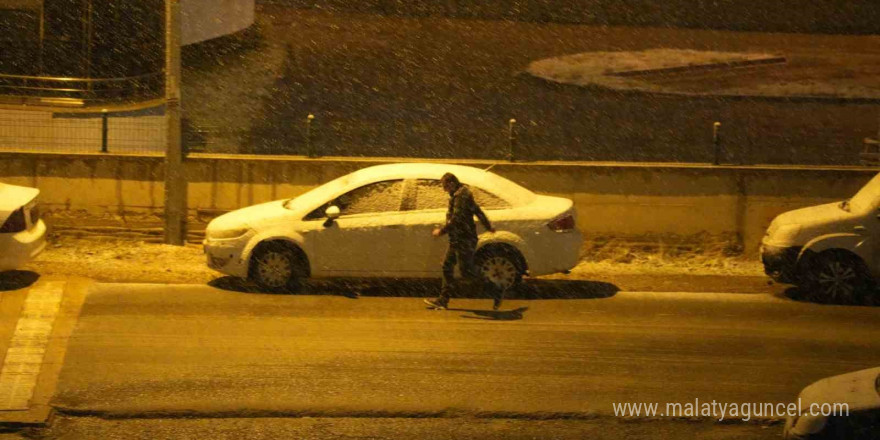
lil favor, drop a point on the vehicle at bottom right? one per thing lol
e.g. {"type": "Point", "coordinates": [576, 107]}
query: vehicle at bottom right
{"type": "Point", "coordinates": [832, 251]}
{"type": "Point", "coordinates": [845, 407]}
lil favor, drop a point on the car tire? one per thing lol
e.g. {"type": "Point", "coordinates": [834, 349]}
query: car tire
{"type": "Point", "coordinates": [836, 276]}
{"type": "Point", "coordinates": [276, 267]}
{"type": "Point", "coordinates": [500, 266]}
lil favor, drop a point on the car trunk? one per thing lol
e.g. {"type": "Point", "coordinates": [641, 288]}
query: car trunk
{"type": "Point", "coordinates": [14, 197]}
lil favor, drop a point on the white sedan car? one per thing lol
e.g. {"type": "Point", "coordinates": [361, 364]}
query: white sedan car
{"type": "Point", "coordinates": [377, 222]}
{"type": "Point", "coordinates": [22, 233]}
{"type": "Point", "coordinates": [838, 407]}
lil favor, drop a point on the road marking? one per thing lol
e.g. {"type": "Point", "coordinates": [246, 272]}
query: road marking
{"type": "Point", "coordinates": [24, 357]}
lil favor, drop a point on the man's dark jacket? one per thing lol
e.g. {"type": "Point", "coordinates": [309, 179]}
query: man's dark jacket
{"type": "Point", "coordinates": [460, 218]}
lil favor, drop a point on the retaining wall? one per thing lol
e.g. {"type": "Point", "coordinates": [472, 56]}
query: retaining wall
{"type": "Point", "coordinates": [852, 16]}
{"type": "Point", "coordinates": [621, 199]}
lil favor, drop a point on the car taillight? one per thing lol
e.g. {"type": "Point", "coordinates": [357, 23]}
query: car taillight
{"type": "Point", "coordinates": [563, 223]}
{"type": "Point", "coordinates": [15, 222]}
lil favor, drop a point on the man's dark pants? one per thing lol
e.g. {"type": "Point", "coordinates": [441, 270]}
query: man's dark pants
{"type": "Point", "coordinates": [463, 255]}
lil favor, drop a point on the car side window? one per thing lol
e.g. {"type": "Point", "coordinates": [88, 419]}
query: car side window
{"type": "Point", "coordinates": [430, 195]}
{"type": "Point", "coordinates": [376, 197]}
{"type": "Point", "coordinates": [487, 200]}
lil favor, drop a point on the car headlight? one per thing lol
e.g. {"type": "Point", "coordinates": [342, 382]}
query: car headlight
{"type": "Point", "coordinates": [785, 234]}
{"type": "Point", "coordinates": [227, 233]}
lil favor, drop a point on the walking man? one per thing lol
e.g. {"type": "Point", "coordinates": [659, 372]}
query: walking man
{"type": "Point", "coordinates": [462, 242]}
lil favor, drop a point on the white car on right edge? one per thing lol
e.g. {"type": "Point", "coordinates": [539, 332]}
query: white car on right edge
{"type": "Point", "coordinates": [831, 250]}
{"type": "Point", "coordinates": [845, 407]}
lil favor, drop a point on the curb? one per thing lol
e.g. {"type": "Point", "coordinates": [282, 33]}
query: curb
{"type": "Point", "coordinates": [39, 416]}
{"type": "Point", "coordinates": [634, 91]}
{"type": "Point", "coordinates": [450, 413]}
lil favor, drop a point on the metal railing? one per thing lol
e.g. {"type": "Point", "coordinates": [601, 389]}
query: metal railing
{"type": "Point", "coordinates": [143, 132]}
{"type": "Point", "coordinates": [81, 92]}
{"type": "Point", "coordinates": [100, 132]}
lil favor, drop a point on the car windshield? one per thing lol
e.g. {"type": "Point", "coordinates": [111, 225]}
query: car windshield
{"type": "Point", "coordinates": [867, 197]}
{"type": "Point", "coordinates": [320, 194]}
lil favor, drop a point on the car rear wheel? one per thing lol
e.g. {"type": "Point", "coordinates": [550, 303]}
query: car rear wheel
{"type": "Point", "coordinates": [500, 266]}
{"type": "Point", "coordinates": [275, 267]}
{"type": "Point", "coordinates": [838, 277]}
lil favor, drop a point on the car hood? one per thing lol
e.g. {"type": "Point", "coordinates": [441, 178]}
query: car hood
{"type": "Point", "coordinates": [857, 389]}
{"type": "Point", "coordinates": [829, 213]}
{"type": "Point", "coordinates": [13, 197]}
{"type": "Point", "coordinates": [249, 217]}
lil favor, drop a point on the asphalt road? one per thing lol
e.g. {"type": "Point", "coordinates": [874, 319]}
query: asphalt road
{"type": "Point", "coordinates": [80, 428]}
{"type": "Point", "coordinates": [176, 350]}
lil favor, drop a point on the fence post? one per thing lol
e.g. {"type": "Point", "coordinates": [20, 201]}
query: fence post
{"type": "Point", "coordinates": [104, 130]}
{"type": "Point", "coordinates": [309, 120]}
{"type": "Point", "coordinates": [175, 179]}
{"type": "Point", "coordinates": [716, 141]}
{"type": "Point", "coordinates": [511, 139]}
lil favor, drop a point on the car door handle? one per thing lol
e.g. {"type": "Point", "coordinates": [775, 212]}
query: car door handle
{"type": "Point", "coordinates": [860, 229]}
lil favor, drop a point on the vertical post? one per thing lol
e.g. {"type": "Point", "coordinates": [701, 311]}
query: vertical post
{"type": "Point", "coordinates": [878, 126]}
{"type": "Point", "coordinates": [511, 139]}
{"type": "Point", "coordinates": [309, 120]}
{"type": "Point", "coordinates": [104, 130]}
{"type": "Point", "coordinates": [88, 28]}
{"type": "Point", "coordinates": [42, 37]}
{"type": "Point", "coordinates": [716, 141]}
{"type": "Point", "coordinates": [175, 180]}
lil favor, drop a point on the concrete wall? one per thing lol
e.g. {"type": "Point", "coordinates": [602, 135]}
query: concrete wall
{"type": "Point", "coordinates": [851, 16]}
{"type": "Point", "coordinates": [623, 199]}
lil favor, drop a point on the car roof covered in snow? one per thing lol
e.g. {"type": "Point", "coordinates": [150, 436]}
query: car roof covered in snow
{"type": "Point", "coordinates": [486, 180]}
{"type": "Point", "coordinates": [13, 197]}
{"type": "Point", "coordinates": [511, 192]}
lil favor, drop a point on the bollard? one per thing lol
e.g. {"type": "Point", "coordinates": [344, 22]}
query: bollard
{"type": "Point", "coordinates": [716, 141]}
{"type": "Point", "coordinates": [104, 130]}
{"type": "Point", "coordinates": [511, 139]}
{"type": "Point", "coordinates": [309, 120]}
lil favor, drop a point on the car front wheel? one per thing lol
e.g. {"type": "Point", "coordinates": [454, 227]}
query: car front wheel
{"type": "Point", "coordinates": [275, 267]}
{"type": "Point", "coordinates": [838, 277]}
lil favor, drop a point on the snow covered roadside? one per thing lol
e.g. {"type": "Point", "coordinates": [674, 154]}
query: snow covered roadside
{"type": "Point", "coordinates": [795, 73]}
{"type": "Point", "coordinates": [113, 259]}
{"type": "Point", "coordinates": [123, 260]}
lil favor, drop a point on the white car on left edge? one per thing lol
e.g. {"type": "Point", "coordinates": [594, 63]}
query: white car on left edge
{"type": "Point", "coordinates": [22, 232]}
{"type": "Point", "coordinates": [377, 222]}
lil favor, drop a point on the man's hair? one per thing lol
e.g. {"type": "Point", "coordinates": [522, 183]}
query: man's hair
{"type": "Point", "coordinates": [449, 177]}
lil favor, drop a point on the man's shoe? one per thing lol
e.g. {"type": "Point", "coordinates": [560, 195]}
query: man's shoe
{"type": "Point", "coordinates": [496, 304]}
{"type": "Point", "coordinates": [435, 304]}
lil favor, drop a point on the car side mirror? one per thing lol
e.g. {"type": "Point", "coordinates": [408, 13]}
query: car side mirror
{"type": "Point", "coordinates": [332, 212]}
